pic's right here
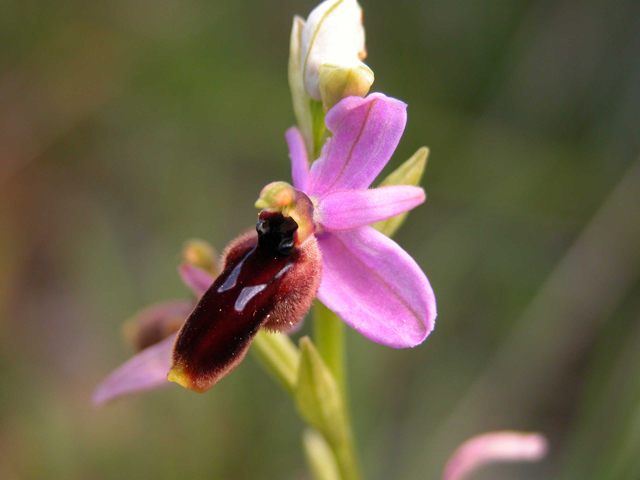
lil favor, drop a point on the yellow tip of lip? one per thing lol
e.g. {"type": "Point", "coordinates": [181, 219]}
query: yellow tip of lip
{"type": "Point", "coordinates": [178, 375]}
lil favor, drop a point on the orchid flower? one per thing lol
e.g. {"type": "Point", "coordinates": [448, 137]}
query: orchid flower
{"type": "Point", "coordinates": [321, 237]}
{"type": "Point", "coordinates": [367, 279]}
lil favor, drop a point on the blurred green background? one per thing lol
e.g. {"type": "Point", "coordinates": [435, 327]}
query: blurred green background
{"type": "Point", "coordinates": [127, 127]}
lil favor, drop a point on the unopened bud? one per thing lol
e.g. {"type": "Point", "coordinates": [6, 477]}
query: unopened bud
{"type": "Point", "coordinates": [201, 254]}
{"type": "Point", "coordinates": [338, 82]}
{"type": "Point", "coordinates": [332, 35]}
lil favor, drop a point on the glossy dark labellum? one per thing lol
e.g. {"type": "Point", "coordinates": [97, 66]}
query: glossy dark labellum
{"type": "Point", "coordinates": [267, 281]}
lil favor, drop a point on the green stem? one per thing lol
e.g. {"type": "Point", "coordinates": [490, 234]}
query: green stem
{"type": "Point", "coordinates": [328, 336]}
{"type": "Point", "coordinates": [280, 357]}
{"type": "Point", "coordinates": [320, 458]}
{"type": "Point", "coordinates": [347, 457]}
{"type": "Point", "coordinates": [328, 332]}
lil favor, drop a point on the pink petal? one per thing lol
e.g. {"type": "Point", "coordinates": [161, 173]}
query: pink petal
{"type": "Point", "coordinates": [145, 371]}
{"type": "Point", "coordinates": [376, 287]}
{"type": "Point", "coordinates": [366, 132]}
{"type": "Point", "coordinates": [356, 208]}
{"type": "Point", "coordinates": [494, 447]}
{"type": "Point", "coordinates": [299, 161]}
{"type": "Point", "coordinates": [197, 279]}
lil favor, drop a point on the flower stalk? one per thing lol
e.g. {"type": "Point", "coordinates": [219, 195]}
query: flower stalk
{"type": "Point", "coordinates": [322, 462]}
{"type": "Point", "coordinates": [321, 403]}
{"type": "Point", "coordinates": [328, 333]}
{"type": "Point", "coordinates": [319, 395]}
{"type": "Point", "coordinates": [279, 356]}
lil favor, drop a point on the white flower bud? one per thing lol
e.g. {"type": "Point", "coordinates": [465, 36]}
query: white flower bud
{"type": "Point", "coordinates": [333, 35]}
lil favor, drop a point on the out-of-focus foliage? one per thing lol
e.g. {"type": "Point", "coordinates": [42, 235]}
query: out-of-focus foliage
{"type": "Point", "coordinates": [127, 128]}
{"type": "Point", "coordinates": [610, 416]}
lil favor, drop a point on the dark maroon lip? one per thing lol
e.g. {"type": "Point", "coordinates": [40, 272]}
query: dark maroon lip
{"type": "Point", "coordinates": [218, 332]}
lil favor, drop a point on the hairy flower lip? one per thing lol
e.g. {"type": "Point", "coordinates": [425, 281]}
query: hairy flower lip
{"type": "Point", "coordinates": [267, 282]}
